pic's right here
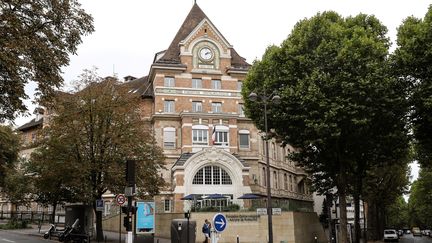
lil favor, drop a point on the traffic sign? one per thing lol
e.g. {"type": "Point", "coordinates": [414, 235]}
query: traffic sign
{"type": "Point", "coordinates": [120, 199]}
{"type": "Point", "coordinates": [219, 222]}
{"type": "Point", "coordinates": [99, 205]}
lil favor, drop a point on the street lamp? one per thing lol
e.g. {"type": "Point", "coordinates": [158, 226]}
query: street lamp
{"type": "Point", "coordinates": [266, 100]}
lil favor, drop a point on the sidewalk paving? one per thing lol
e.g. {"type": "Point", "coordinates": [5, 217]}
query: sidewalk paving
{"type": "Point", "coordinates": [109, 236]}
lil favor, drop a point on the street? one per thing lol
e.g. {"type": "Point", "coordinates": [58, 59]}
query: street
{"type": "Point", "coordinates": [411, 239]}
{"type": "Point", "coordinates": [10, 237]}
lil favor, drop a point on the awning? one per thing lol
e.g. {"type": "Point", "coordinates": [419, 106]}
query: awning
{"type": "Point", "coordinates": [250, 196]}
{"type": "Point", "coordinates": [215, 196]}
{"type": "Point", "coordinates": [192, 197]}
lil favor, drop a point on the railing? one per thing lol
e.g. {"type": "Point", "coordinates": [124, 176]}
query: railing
{"type": "Point", "coordinates": [33, 216]}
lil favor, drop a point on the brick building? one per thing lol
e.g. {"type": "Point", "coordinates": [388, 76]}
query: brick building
{"type": "Point", "coordinates": [192, 99]}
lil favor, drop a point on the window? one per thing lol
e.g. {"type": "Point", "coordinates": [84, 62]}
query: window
{"type": "Point", "coordinates": [239, 85]}
{"type": "Point", "coordinates": [291, 182]}
{"type": "Point", "coordinates": [169, 106]}
{"type": "Point", "coordinates": [274, 150]}
{"type": "Point", "coordinates": [275, 179]}
{"type": "Point", "coordinates": [200, 135]}
{"type": "Point", "coordinates": [169, 82]}
{"type": "Point", "coordinates": [169, 137]}
{"type": "Point", "coordinates": [212, 175]}
{"type": "Point", "coordinates": [196, 106]}
{"type": "Point", "coordinates": [217, 107]}
{"type": "Point", "coordinates": [285, 182]}
{"type": "Point", "coordinates": [167, 205]}
{"type": "Point", "coordinates": [196, 83]}
{"type": "Point", "coordinates": [244, 139]}
{"type": "Point", "coordinates": [264, 177]}
{"type": "Point", "coordinates": [241, 110]}
{"type": "Point", "coordinates": [220, 135]}
{"type": "Point", "coordinates": [216, 84]}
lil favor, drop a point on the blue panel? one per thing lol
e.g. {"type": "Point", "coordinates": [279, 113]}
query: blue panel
{"type": "Point", "coordinates": [145, 217]}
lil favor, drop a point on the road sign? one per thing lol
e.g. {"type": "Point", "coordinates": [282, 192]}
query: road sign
{"type": "Point", "coordinates": [263, 211]}
{"type": "Point", "coordinates": [120, 199]}
{"type": "Point", "coordinates": [219, 222]}
{"type": "Point", "coordinates": [99, 205]}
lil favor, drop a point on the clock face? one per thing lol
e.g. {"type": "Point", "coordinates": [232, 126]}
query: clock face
{"type": "Point", "coordinates": [206, 54]}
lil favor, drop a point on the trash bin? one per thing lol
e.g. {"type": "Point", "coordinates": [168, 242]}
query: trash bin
{"type": "Point", "coordinates": [179, 231]}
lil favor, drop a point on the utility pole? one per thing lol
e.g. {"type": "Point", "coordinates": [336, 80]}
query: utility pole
{"type": "Point", "coordinates": [129, 191]}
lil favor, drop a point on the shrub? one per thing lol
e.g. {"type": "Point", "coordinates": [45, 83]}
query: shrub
{"type": "Point", "coordinates": [15, 224]}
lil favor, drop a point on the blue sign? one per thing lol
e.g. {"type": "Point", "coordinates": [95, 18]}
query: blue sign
{"type": "Point", "coordinates": [99, 205]}
{"type": "Point", "coordinates": [145, 215]}
{"type": "Point", "coordinates": [219, 222]}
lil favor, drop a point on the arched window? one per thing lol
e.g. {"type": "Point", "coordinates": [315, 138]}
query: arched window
{"type": "Point", "coordinates": [212, 175]}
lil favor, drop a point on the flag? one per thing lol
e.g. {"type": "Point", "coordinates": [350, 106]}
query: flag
{"type": "Point", "coordinates": [214, 135]}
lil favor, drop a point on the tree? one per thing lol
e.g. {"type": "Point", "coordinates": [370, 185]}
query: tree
{"type": "Point", "coordinates": [397, 213]}
{"type": "Point", "coordinates": [382, 188]}
{"type": "Point", "coordinates": [36, 39]}
{"type": "Point", "coordinates": [338, 99]}
{"type": "Point", "coordinates": [412, 62]}
{"type": "Point", "coordinates": [93, 132]}
{"type": "Point", "coordinates": [9, 147]}
{"type": "Point", "coordinates": [419, 204]}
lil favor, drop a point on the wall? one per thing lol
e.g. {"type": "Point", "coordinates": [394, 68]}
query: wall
{"type": "Point", "coordinates": [291, 227]}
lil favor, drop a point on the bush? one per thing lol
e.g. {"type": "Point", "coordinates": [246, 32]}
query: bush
{"type": "Point", "coordinates": [15, 224]}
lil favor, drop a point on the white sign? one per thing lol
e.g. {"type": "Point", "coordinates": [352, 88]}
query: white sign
{"type": "Point", "coordinates": [120, 199]}
{"type": "Point", "coordinates": [263, 211]}
{"type": "Point", "coordinates": [276, 211]}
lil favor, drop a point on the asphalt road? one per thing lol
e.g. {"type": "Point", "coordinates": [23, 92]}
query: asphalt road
{"type": "Point", "coordinates": [417, 239]}
{"type": "Point", "coordinates": [9, 237]}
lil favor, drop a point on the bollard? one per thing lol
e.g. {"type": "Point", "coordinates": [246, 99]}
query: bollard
{"type": "Point", "coordinates": [238, 239]}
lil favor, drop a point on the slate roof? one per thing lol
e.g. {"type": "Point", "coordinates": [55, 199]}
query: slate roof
{"type": "Point", "coordinates": [31, 124]}
{"type": "Point", "coordinates": [141, 86]}
{"type": "Point", "coordinates": [195, 16]}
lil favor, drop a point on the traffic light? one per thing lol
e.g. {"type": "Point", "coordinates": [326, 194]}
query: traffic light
{"type": "Point", "coordinates": [125, 210]}
{"type": "Point", "coordinates": [126, 222]}
{"type": "Point", "coordinates": [130, 172]}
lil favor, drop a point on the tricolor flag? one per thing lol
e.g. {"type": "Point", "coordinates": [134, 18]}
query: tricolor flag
{"type": "Point", "coordinates": [214, 135]}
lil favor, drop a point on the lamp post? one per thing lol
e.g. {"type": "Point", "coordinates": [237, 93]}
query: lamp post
{"type": "Point", "coordinates": [266, 100]}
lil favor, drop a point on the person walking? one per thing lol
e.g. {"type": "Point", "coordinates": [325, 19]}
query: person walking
{"type": "Point", "coordinates": [206, 231]}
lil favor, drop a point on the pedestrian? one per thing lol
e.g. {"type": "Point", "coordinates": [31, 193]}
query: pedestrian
{"type": "Point", "coordinates": [206, 230]}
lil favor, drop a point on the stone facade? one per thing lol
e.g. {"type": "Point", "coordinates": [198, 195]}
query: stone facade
{"type": "Point", "coordinates": [194, 92]}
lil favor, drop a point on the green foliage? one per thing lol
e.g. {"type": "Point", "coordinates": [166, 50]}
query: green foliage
{"type": "Point", "coordinates": [229, 208]}
{"type": "Point", "coordinates": [36, 40]}
{"type": "Point", "coordinates": [412, 62]}
{"type": "Point", "coordinates": [85, 147]}
{"type": "Point", "coordinates": [15, 224]}
{"type": "Point", "coordinates": [420, 207]}
{"type": "Point", "coordinates": [341, 108]}
{"type": "Point", "coordinates": [9, 146]}
{"type": "Point", "coordinates": [17, 185]}
{"type": "Point", "coordinates": [397, 214]}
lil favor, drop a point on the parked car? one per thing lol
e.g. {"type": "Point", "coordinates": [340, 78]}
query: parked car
{"type": "Point", "coordinates": [391, 235]}
{"type": "Point", "coordinates": [427, 232]}
{"type": "Point", "coordinates": [416, 231]}
{"type": "Point", "coordinates": [400, 232]}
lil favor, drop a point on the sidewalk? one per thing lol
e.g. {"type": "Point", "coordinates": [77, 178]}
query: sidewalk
{"type": "Point", "coordinates": [109, 236]}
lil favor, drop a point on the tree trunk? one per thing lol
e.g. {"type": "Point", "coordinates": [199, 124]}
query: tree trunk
{"type": "Point", "coordinates": [342, 184]}
{"type": "Point", "coordinates": [343, 217]}
{"type": "Point", "coordinates": [99, 230]}
{"type": "Point", "coordinates": [53, 213]}
{"type": "Point", "coordinates": [357, 230]}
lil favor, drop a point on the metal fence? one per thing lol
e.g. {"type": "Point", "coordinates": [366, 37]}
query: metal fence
{"type": "Point", "coordinates": [33, 217]}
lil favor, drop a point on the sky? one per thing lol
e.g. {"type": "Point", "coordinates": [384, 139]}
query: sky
{"type": "Point", "coordinates": [129, 32]}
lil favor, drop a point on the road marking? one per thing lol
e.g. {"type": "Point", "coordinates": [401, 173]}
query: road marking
{"type": "Point", "coordinates": [11, 241]}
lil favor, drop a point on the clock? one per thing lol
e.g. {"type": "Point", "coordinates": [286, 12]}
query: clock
{"type": "Point", "coordinates": [206, 54]}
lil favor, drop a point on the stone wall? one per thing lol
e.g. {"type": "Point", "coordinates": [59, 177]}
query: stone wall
{"type": "Point", "coordinates": [289, 227]}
